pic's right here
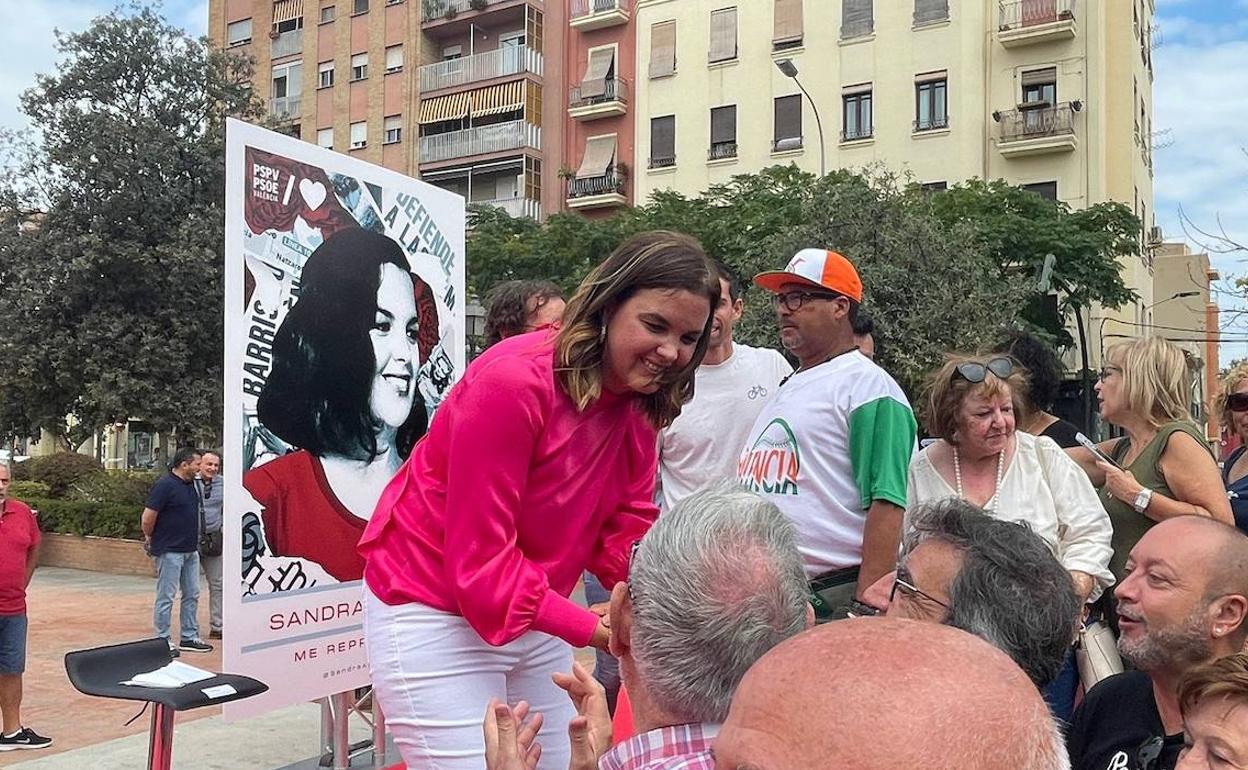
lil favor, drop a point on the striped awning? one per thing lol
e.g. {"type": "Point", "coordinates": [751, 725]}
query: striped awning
{"type": "Point", "coordinates": [506, 97]}
{"type": "Point", "coordinates": [449, 107]}
{"type": "Point", "coordinates": [285, 10]}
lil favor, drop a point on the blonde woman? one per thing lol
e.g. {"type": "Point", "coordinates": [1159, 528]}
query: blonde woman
{"type": "Point", "coordinates": [1232, 409]}
{"type": "Point", "coordinates": [540, 464]}
{"type": "Point", "coordinates": [1165, 466]}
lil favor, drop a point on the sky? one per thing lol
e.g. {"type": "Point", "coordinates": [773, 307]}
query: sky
{"type": "Point", "coordinates": [1200, 113]}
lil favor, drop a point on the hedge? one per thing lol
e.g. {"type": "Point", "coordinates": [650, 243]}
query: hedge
{"type": "Point", "coordinates": [81, 518]}
{"type": "Point", "coordinates": [59, 471]}
{"type": "Point", "coordinates": [22, 490]}
{"type": "Point", "coordinates": [127, 487]}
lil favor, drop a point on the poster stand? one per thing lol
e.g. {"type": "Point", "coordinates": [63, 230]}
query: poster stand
{"type": "Point", "coordinates": [337, 751]}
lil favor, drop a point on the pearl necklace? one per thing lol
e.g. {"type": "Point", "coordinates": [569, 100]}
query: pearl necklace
{"type": "Point", "coordinates": [957, 477]}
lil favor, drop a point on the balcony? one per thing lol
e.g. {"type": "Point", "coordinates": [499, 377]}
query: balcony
{"type": "Point", "coordinates": [1037, 130]}
{"type": "Point", "coordinates": [499, 63]}
{"type": "Point", "coordinates": [598, 14]}
{"type": "Point", "coordinates": [858, 134]}
{"type": "Point", "coordinates": [1026, 22]}
{"type": "Point", "coordinates": [721, 151]}
{"type": "Point", "coordinates": [600, 99]}
{"type": "Point", "coordinates": [482, 140]}
{"type": "Point", "coordinates": [516, 207]}
{"type": "Point", "coordinates": [285, 107]}
{"type": "Point", "coordinates": [287, 44]}
{"type": "Point", "coordinates": [437, 11]}
{"type": "Point", "coordinates": [667, 161]}
{"type": "Point", "coordinates": [596, 191]}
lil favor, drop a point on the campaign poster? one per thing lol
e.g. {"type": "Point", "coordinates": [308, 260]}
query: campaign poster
{"type": "Point", "coordinates": [344, 330]}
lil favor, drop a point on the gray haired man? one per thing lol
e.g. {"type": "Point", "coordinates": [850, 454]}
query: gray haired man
{"type": "Point", "coordinates": [715, 584]}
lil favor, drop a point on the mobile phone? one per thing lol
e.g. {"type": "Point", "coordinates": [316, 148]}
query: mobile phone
{"type": "Point", "coordinates": [1087, 444]}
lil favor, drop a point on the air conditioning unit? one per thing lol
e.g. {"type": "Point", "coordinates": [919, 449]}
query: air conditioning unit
{"type": "Point", "coordinates": [1154, 235]}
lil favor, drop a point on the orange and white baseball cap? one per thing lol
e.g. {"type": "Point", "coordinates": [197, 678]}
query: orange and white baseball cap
{"type": "Point", "coordinates": [817, 268]}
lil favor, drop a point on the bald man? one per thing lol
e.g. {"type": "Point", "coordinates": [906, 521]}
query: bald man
{"type": "Point", "coordinates": [883, 694]}
{"type": "Point", "coordinates": [1183, 602]}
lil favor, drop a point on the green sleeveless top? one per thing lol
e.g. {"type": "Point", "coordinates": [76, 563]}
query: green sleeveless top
{"type": "Point", "coordinates": [1130, 526]}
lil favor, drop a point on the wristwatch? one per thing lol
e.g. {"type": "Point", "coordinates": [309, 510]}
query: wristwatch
{"type": "Point", "coordinates": [1142, 499]}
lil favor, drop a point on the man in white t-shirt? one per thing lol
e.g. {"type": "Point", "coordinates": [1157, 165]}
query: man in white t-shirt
{"type": "Point", "coordinates": [832, 447]}
{"type": "Point", "coordinates": [730, 388]}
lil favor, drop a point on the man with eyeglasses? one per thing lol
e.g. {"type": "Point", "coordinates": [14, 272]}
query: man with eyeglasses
{"type": "Point", "coordinates": [832, 447]}
{"type": "Point", "coordinates": [992, 578]}
{"type": "Point", "coordinates": [213, 496]}
{"type": "Point", "coordinates": [1183, 602]}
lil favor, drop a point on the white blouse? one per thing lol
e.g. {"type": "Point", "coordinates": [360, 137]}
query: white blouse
{"type": "Point", "coordinates": [1048, 491]}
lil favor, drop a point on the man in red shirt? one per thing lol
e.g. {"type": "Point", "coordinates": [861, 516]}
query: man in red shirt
{"type": "Point", "coordinates": [19, 553]}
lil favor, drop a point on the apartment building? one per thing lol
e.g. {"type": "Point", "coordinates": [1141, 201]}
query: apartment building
{"type": "Point", "coordinates": [452, 91]}
{"type": "Point", "coordinates": [1055, 95]}
{"type": "Point", "coordinates": [1185, 312]}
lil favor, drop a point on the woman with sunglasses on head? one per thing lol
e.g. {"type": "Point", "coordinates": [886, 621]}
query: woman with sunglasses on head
{"type": "Point", "coordinates": [541, 463]}
{"type": "Point", "coordinates": [970, 404]}
{"type": "Point", "coordinates": [1232, 409]}
{"type": "Point", "coordinates": [1163, 466]}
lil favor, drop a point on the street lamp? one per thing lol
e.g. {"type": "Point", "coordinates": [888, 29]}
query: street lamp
{"type": "Point", "coordinates": [1176, 295]}
{"type": "Point", "coordinates": [789, 70]}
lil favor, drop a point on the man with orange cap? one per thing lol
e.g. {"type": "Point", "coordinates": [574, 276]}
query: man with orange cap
{"type": "Point", "coordinates": [831, 448]}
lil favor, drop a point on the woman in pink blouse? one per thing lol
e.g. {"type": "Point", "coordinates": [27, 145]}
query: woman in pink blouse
{"type": "Point", "coordinates": [539, 464]}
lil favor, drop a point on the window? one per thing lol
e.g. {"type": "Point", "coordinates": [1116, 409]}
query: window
{"type": "Point", "coordinates": [1039, 94]}
{"type": "Point", "coordinates": [1043, 189]}
{"type": "Point", "coordinates": [598, 84]}
{"type": "Point", "coordinates": [393, 2]}
{"type": "Point", "coordinates": [723, 35]}
{"type": "Point", "coordinates": [238, 32]}
{"type": "Point", "coordinates": [359, 135]}
{"type": "Point", "coordinates": [394, 59]}
{"type": "Point", "coordinates": [287, 84]}
{"type": "Point", "coordinates": [325, 138]}
{"type": "Point", "coordinates": [452, 52]}
{"type": "Point", "coordinates": [931, 110]}
{"type": "Point", "coordinates": [393, 127]}
{"type": "Point", "coordinates": [359, 66]}
{"type": "Point", "coordinates": [663, 141]}
{"type": "Point", "coordinates": [857, 122]}
{"type": "Point", "coordinates": [328, 13]}
{"type": "Point", "coordinates": [928, 11]}
{"type": "Point", "coordinates": [932, 187]}
{"type": "Point", "coordinates": [723, 132]}
{"type": "Point", "coordinates": [857, 18]}
{"type": "Point", "coordinates": [289, 25]}
{"type": "Point", "coordinates": [787, 25]}
{"type": "Point", "coordinates": [325, 74]}
{"type": "Point", "coordinates": [662, 49]}
{"type": "Point", "coordinates": [359, 6]}
{"type": "Point", "coordinates": [788, 123]}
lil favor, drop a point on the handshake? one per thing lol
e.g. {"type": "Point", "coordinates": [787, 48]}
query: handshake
{"type": "Point", "coordinates": [511, 733]}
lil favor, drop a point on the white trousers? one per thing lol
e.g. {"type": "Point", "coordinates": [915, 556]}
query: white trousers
{"type": "Point", "coordinates": [433, 677]}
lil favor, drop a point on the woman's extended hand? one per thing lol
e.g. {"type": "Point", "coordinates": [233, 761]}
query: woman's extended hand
{"type": "Point", "coordinates": [602, 634]}
{"type": "Point", "coordinates": [1120, 483]}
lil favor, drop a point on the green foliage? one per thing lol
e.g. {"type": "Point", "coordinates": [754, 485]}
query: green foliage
{"type": "Point", "coordinates": [114, 287]}
{"type": "Point", "coordinates": [20, 471]}
{"type": "Point", "coordinates": [61, 470]}
{"type": "Point", "coordinates": [78, 518]}
{"type": "Point", "coordinates": [127, 487]}
{"type": "Point", "coordinates": [24, 490]}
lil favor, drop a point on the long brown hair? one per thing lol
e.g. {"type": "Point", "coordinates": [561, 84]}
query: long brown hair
{"type": "Point", "coordinates": [659, 259]}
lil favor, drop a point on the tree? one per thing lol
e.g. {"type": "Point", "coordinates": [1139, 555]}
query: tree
{"type": "Point", "coordinates": [112, 234]}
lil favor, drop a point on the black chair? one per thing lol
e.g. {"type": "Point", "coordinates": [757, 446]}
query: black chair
{"type": "Point", "coordinates": [100, 671]}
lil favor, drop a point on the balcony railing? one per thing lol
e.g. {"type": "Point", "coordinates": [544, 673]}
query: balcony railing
{"type": "Point", "coordinates": [855, 134]}
{"type": "Point", "coordinates": [285, 107]}
{"type": "Point", "coordinates": [287, 43]}
{"type": "Point", "coordinates": [437, 10]}
{"type": "Point", "coordinates": [498, 63]}
{"type": "Point", "coordinates": [1037, 122]}
{"type": "Point", "coordinates": [612, 90]}
{"type": "Point", "coordinates": [610, 182]}
{"type": "Point", "coordinates": [666, 162]}
{"type": "Point", "coordinates": [1029, 13]}
{"type": "Point", "coordinates": [513, 135]}
{"type": "Point", "coordinates": [582, 8]}
{"type": "Point", "coordinates": [931, 124]}
{"type": "Point", "coordinates": [721, 150]}
{"type": "Point", "coordinates": [516, 207]}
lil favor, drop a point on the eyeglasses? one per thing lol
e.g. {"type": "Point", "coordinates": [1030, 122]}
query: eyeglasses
{"type": "Point", "coordinates": [975, 372]}
{"type": "Point", "coordinates": [632, 554]}
{"type": "Point", "coordinates": [793, 300]}
{"type": "Point", "coordinates": [1148, 755]}
{"type": "Point", "coordinates": [912, 590]}
{"type": "Point", "coordinates": [1237, 402]}
{"type": "Point", "coordinates": [1108, 371]}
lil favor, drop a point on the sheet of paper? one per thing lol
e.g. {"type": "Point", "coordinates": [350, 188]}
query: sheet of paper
{"type": "Point", "coordinates": [220, 691]}
{"type": "Point", "coordinates": [176, 674]}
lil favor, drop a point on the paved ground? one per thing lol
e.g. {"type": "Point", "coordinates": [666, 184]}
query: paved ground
{"type": "Point", "coordinates": [72, 609]}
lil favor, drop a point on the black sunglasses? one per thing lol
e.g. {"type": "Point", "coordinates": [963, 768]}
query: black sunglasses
{"type": "Point", "coordinates": [975, 372]}
{"type": "Point", "coordinates": [793, 300]}
{"type": "Point", "coordinates": [1237, 402]}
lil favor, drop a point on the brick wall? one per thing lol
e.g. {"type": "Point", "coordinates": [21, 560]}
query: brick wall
{"type": "Point", "coordinates": [97, 554]}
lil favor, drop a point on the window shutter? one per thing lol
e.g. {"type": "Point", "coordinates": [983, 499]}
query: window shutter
{"type": "Point", "coordinates": [1040, 77]}
{"type": "Point", "coordinates": [788, 116]}
{"type": "Point", "coordinates": [663, 137]}
{"type": "Point", "coordinates": [788, 23]}
{"type": "Point", "coordinates": [662, 49]}
{"type": "Point", "coordinates": [928, 11]}
{"type": "Point", "coordinates": [724, 124]}
{"type": "Point", "coordinates": [723, 35]}
{"type": "Point", "coordinates": [857, 18]}
{"type": "Point", "coordinates": [596, 70]}
{"type": "Point", "coordinates": [599, 152]}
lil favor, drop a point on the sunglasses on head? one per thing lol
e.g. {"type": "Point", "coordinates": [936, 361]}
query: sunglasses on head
{"type": "Point", "coordinates": [1237, 402]}
{"type": "Point", "coordinates": [975, 372]}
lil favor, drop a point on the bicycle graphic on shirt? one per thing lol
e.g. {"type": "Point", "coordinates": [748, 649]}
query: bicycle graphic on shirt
{"type": "Point", "coordinates": [758, 391]}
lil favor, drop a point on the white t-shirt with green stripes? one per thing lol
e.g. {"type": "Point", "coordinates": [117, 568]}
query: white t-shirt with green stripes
{"type": "Point", "coordinates": [834, 438]}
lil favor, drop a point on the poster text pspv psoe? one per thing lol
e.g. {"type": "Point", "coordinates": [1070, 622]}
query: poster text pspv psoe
{"type": "Point", "coordinates": [344, 330]}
